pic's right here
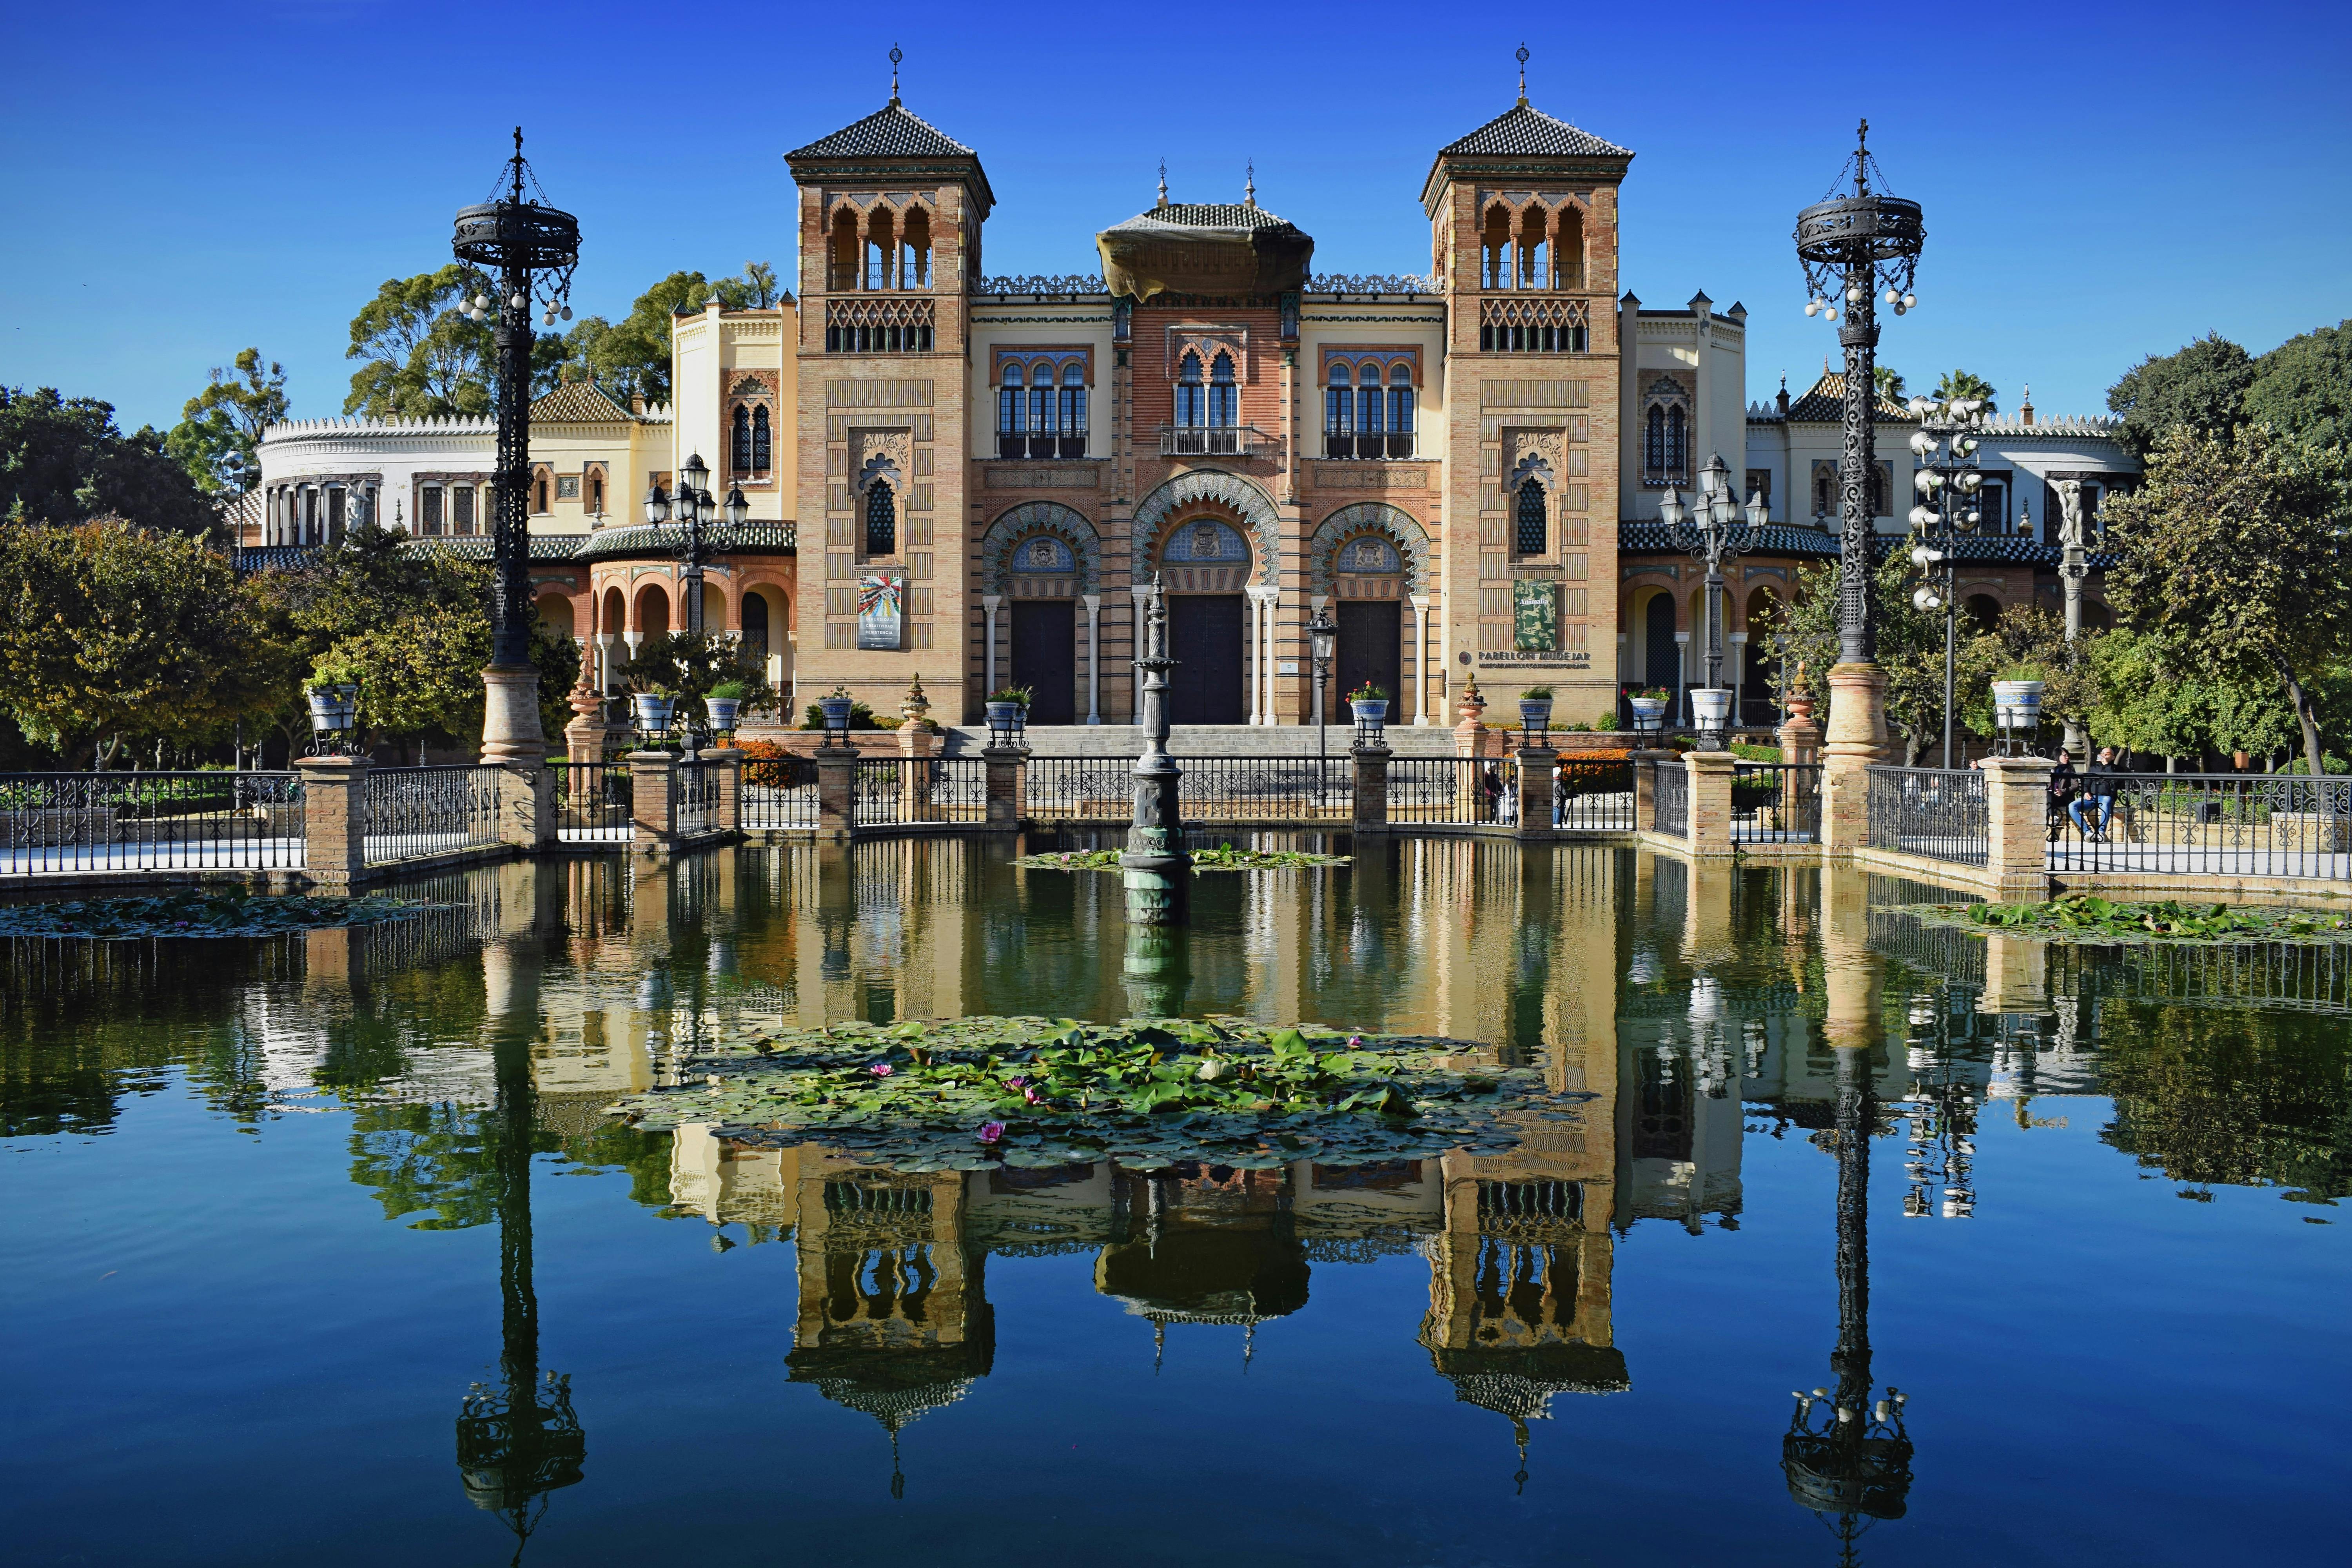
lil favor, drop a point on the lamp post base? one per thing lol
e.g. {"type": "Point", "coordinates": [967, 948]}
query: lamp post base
{"type": "Point", "coordinates": [1857, 738]}
{"type": "Point", "coordinates": [510, 724]}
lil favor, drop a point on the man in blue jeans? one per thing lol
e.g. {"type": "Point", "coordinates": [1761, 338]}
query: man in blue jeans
{"type": "Point", "coordinates": [2098, 796]}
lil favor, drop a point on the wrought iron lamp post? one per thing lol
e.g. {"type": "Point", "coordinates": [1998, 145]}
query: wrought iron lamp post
{"type": "Point", "coordinates": [692, 508]}
{"type": "Point", "coordinates": [1949, 483]}
{"type": "Point", "coordinates": [1154, 868]}
{"type": "Point", "coordinates": [1322, 636]}
{"type": "Point", "coordinates": [1714, 532]}
{"type": "Point", "coordinates": [531, 249]}
{"type": "Point", "coordinates": [1859, 249]}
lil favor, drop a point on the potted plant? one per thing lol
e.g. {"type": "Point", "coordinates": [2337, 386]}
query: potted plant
{"type": "Point", "coordinates": [1711, 707]}
{"type": "Point", "coordinates": [333, 690]}
{"type": "Point", "coordinates": [1369, 703]}
{"type": "Point", "coordinates": [2017, 698]}
{"type": "Point", "coordinates": [1535, 710]}
{"type": "Point", "coordinates": [1008, 712]}
{"type": "Point", "coordinates": [724, 702]}
{"type": "Point", "coordinates": [835, 709]}
{"type": "Point", "coordinates": [654, 706]}
{"type": "Point", "coordinates": [1650, 709]}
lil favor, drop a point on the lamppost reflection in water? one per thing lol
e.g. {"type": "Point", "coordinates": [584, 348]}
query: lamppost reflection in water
{"type": "Point", "coordinates": [1158, 970]}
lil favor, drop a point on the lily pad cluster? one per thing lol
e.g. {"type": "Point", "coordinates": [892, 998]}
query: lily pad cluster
{"type": "Point", "coordinates": [1224, 858]}
{"type": "Point", "coordinates": [2084, 917]}
{"type": "Point", "coordinates": [966, 1093]}
{"type": "Point", "coordinates": [199, 912]}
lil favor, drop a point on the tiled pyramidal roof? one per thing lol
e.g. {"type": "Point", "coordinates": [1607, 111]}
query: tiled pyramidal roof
{"type": "Point", "coordinates": [1525, 131]}
{"type": "Point", "coordinates": [578, 402]}
{"type": "Point", "coordinates": [888, 132]}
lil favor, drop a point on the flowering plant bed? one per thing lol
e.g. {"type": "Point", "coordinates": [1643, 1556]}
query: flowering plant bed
{"type": "Point", "coordinates": [2085, 917]}
{"type": "Point", "coordinates": [1224, 858]}
{"type": "Point", "coordinates": [200, 912]}
{"type": "Point", "coordinates": [967, 1093]}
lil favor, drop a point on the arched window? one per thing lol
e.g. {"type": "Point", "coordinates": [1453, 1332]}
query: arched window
{"type": "Point", "coordinates": [915, 251]}
{"type": "Point", "coordinates": [743, 443]}
{"type": "Point", "coordinates": [1494, 246]}
{"type": "Point", "coordinates": [538, 491]}
{"type": "Point", "coordinates": [1567, 254]}
{"type": "Point", "coordinates": [1370, 413]}
{"type": "Point", "coordinates": [596, 493]}
{"type": "Point", "coordinates": [1041, 411]}
{"type": "Point", "coordinates": [881, 520]}
{"type": "Point", "coordinates": [1653, 441]}
{"type": "Point", "coordinates": [1009, 440]}
{"type": "Point", "coordinates": [1073, 410]}
{"type": "Point", "coordinates": [1532, 533]}
{"type": "Point", "coordinates": [1534, 258]}
{"type": "Point", "coordinates": [1677, 445]}
{"type": "Point", "coordinates": [1225, 397]}
{"type": "Point", "coordinates": [844, 250]}
{"type": "Point", "coordinates": [1400, 410]}
{"type": "Point", "coordinates": [1339, 413]}
{"type": "Point", "coordinates": [762, 441]}
{"type": "Point", "coordinates": [1192, 410]}
{"type": "Point", "coordinates": [878, 249]}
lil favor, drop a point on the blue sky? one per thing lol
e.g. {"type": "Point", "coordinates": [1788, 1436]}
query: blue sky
{"type": "Point", "coordinates": [2100, 180]}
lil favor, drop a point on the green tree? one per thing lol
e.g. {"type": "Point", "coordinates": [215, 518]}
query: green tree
{"type": "Point", "coordinates": [419, 674]}
{"type": "Point", "coordinates": [633, 357]}
{"type": "Point", "coordinates": [2028, 642]}
{"type": "Point", "coordinates": [113, 632]}
{"type": "Point", "coordinates": [1910, 648]}
{"type": "Point", "coordinates": [1966, 383]}
{"type": "Point", "coordinates": [62, 459]}
{"type": "Point", "coordinates": [2303, 388]}
{"type": "Point", "coordinates": [2234, 553]}
{"type": "Point", "coordinates": [1890, 383]}
{"type": "Point", "coordinates": [688, 665]}
{"type": "Point", "coordinates": [2202, 386]}
{"type": "Point", "coordinates": [2146, 702]}
{"type": "Point", "coordinates": [557, 659]}
{"type": "Point", "coordinates": [756, 290]}
{"type": "Point", "coordinates": [420, 356]}
{"type": "Point", "coordinates": [219, 436]}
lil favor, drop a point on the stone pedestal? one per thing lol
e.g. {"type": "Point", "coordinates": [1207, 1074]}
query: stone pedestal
{"type": "Point", "coordinates": [510, 731]}
{"type": "Point", "coordinates": [1371, 813]}
{"type": "Point", "coordinates": [1645, 764]}
{"type": "Point", "coordinates": [653, 803]}
{"type": "Point", "coordinates": [1857, 741]}
{"type": "Point", "coordinates": [726, 764]}
{"type": "Point", "coordinates": [1710, 801]}
{"type": "Point", "coordinates": [527, 805]}
{"type": "Point", "coordinates": [1008, 786]}
{"type": "Point", "coordinates": [2017, 827]}
{"type": "Point", "coordinates": [1536, 768]}
{"type": "Point", "coordinates": [334, 820]}
{"type": "Point", "coordinates": [836, 792]}
{"type": "Point", "coordinates": [585, 737]}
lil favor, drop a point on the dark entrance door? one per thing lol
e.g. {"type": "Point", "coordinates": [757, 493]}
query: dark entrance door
{"type": "Point", "coordinates": [1660, 655]}
{"type": "Point", "coordinates": [1204, 635]}
{"type": "Point", "coordinates": [1369, 650]}
{"type": "Point", "coordinates": [1044, 657]}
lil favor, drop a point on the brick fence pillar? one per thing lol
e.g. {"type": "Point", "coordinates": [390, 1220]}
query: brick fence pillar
{"type": "Point", "coordinates": [1857, 741]}
{"type": "Point", "coordinates": [1710, 801]}
{"type": "Point", "coordinates": [2017, 826]}
{"type": "Point", "coordinates": [1538, 767]}
{"type": "Point", "coordinates": [1645, 788]}
{"type": "Point", "coordinates": [836, 792]}
{"type": "Point", "coordinates": [526, 806]}
{"type": "Point", "coordinates": [727, 772]}
{"type": "Point", "coordinates": [1008, 786]}
{"type": "Point", "coordinates": [1370, 814]}
{"type": "Point", "coordinates": [653, 803]}
{"type": "Point", "coordinates": [917, 746]}
{"type": "Point", "coordinates": [334, 819]}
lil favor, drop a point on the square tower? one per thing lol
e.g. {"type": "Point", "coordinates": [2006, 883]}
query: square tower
{"type": "Point", "coordinates": [1523, 225]}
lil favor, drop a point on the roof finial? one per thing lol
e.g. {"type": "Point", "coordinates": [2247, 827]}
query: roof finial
{"type": "Point", "coordinates": [1523, 76]}
{"type": "Point", "coordinates": [1163, 181]}
{"type": "Point", "coordinates": [517, 165]}
{"type": "Point", "coordinates": [1249, 184]}
{"type": "Point", "coordinates": [1862, 159]}
{"type": "Point", "coordinates": [896, 54]}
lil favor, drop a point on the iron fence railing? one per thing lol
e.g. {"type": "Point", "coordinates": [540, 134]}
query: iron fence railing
{"type": "Point", "coordinates": [1466, 790]}
{"type": "Point", "coordinates": [1673, 788]}
{"type": "Point", "coordinates": [1268, 789]}
{"type": "Point", "coordinates": [205, 818]}
{"type": "Point", "coordinates": [698, 797]}
{"type": "Point", "coordinates": [1939, 813]}
{"type": "Point", "coordinates": [779, 792]}
{"type": "Point", "coordinates": [1592, 796]}
{"type": "Point", "coordinates": [2217, 824]}
{"type": "Point", "coordinates": [1079, 789]}
{"type": "Point", "coordinates": [1776, 803]}
{"type": "Point", "coordinates": [416, 813]}
{"type": "Point", "coordinates": [894, 791]}
{"type": "Point", "coordinates": [592, 802]}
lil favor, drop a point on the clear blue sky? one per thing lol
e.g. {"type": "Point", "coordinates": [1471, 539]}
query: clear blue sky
{"type": "Point", "coordinates": [2100, 180]}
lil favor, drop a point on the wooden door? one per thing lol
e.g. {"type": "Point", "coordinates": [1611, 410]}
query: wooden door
{"type": "Point", "coordinates": [1369, 650]}
{"type": "Point", "coordinates": [1044, 657]}
{"type": "Point", "coordinates": [1204, 636]}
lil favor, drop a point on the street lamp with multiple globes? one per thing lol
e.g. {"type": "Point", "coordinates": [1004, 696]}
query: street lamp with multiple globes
{"type": "Point", "coordinates": [1949, 483]}
{"type": "Point", "coordinates": [1856, 249]}
{"type": "Point", "coordinates": [691, 506]}
{"type": "Point", "coordinates": [1714, 531]}
{"type": "Point", "coordinates": [532, 249]}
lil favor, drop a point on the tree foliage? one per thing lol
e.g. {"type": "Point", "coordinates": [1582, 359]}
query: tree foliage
{"type": "Point", "coordinates": [1910, 648]}
{"type": "Point", "coordinates": [420, 358]}
{"type": "Point", "coordinates": [1966, 383]}
{"type": "Point", "coordinates": [755, 290]}
{"type": "Point", "coordinates": [631, 358]}
{"type": "Point", "coordinates": [2303, 388]}
{"type": "Point", "coordinates": [63, 460]}
{"type": "Point", "coordinates": [2028, 642]}
{"type": "Point", "coordinates": [218, 438]}
{"type": "Point", "coordinates": [687, 666]}
{"type": "Point", "coordinates": [2202, 386]}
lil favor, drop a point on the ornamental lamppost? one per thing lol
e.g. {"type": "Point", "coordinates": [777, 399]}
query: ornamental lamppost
{"type": "Point", "coordinates": [531, 249]}
{"type": "Point", "coordinates": [1154, 868]}
{"type": "Point", "coordinates": [1948, 483]}
{"type": "Point", "coordinates": [1322, 637]}
{"type": "Point", "coordinates": [692, 507]}
{"type": "Point", "coordinates": [1854, 247]}
{"type": "Point", "coordinates": [1714, 531]}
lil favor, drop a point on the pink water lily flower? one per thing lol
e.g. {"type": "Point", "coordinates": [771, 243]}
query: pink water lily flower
{"type": "Point", "coordinates": [881, 1069]}
{"type": "Point", "coordinates": [990, 1131]}
{"type": "Point", "coordinates": [1355, 1042]}
{"type": "Point", "coordinates": [1016, 1083]}
{"type": "Point", "coordinates": [1030, 1095]}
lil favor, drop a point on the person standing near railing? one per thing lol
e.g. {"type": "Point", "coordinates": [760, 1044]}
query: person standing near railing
{"type": "Point", "coordinates": [2063, 783]}
{"type": "Point", "coordinates": [2098, 793]}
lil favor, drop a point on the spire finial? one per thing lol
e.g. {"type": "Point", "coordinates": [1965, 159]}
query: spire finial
{"type": "Point", "coordinates": [1249, 184]}
{"type": "Point", "coordinates": [1523, 76]}
{"type": "Point", "coordinates": [1163, 181]}
{"type": "Point", "coordinates": [1862, 159]}
{"type": "Point", "coordinates": [896, 54]}
{"type": "Point", "coordinates": [517, 165]}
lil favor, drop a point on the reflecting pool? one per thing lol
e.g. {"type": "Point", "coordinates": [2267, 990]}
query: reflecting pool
{"type": "Point", "coordinates": [1874, 1241]}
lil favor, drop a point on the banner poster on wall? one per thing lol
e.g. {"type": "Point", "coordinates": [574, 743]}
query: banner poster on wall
{"type": "Point", "coordinates": [881, 610]}
{"type": "Point", "coordinates": [1535, 616]}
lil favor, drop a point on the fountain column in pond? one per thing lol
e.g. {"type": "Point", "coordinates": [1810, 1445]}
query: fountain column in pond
{"type": "Point", "coordinates": [1156, 872]}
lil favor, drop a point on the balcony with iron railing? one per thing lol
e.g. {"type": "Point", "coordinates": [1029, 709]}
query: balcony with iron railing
{"type": "Point", "coordinates": [1036, 446]}
{"type": "Point", "coordinates": [1214, 441]}
{"type": "Point", "coordinates": [1365, 447]}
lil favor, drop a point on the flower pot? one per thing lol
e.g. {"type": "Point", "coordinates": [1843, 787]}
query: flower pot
{"type": "Point", "coordinates": [1371, 712]}
{"type": "Point", "coordinates": [2016, 704]}
{"type": "Point", "coordinates": [723, 712]}
{"type": "Point", "coordinates": [333, 709]}
{"type": "Point", "coordinates": [1649, 712]}
{"type": "Point", "coordinates": [1006, 719]}
{"type": "Point", "coordinates": [1711, 707]}
{"type": "Point", "coordinates": [653, 711]}
{"type": "Point", "coordinates": [1535, 714]}
{"type": "Point", "coordinates": [837, 713]}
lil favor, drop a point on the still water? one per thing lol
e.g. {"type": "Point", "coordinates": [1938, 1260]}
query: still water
{"type": "Point", "coordinates": [319, 1249]}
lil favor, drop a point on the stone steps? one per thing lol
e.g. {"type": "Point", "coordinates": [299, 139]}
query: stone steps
{"type": "Point", "coordinates": [1205, 740]}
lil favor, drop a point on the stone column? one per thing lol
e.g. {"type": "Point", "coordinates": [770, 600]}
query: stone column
{"type": "Point", "coordinates": [653, 803]}
{"type": "Point", "coordinates": [1857, 741]}
{"type": "Point", "coordinates": [1645, 786]}
{"type": "Point", "coordinates": [1262, 601]}
{"type": "Point", "coordinates": [836, 792]}
{"type": "Point", "coordinates": [510, 731]}
{"type": "Point", "coordinates": [1093, 603]}
{"type": "Point", "coordinates": [1372, 802]}
{"type": "Point", "coordinates": [2017, 826]}
{"type": "Point", "coordinates": [1710, 801]}
{"type": "Point", "coordinates": [917, 746]}
{"type": "Point", "coordinates": [1008, 786]}
{"type": "Point", "coordinates": [1537, 765]}
{"type": "Point", "coordinates": [334, 820]}
{"type": "Point", "coordinates": [1421, 605]}
{"type": "Point", "coordinates": [989, 604]}
{"type": "Point", "coordinates": [727, 768]}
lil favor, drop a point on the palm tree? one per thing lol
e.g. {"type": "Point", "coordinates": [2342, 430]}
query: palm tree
{"type": "Point", "coordinates": [1964, 383]}
{"type": "Point", "coordinates": [1890, 383]}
